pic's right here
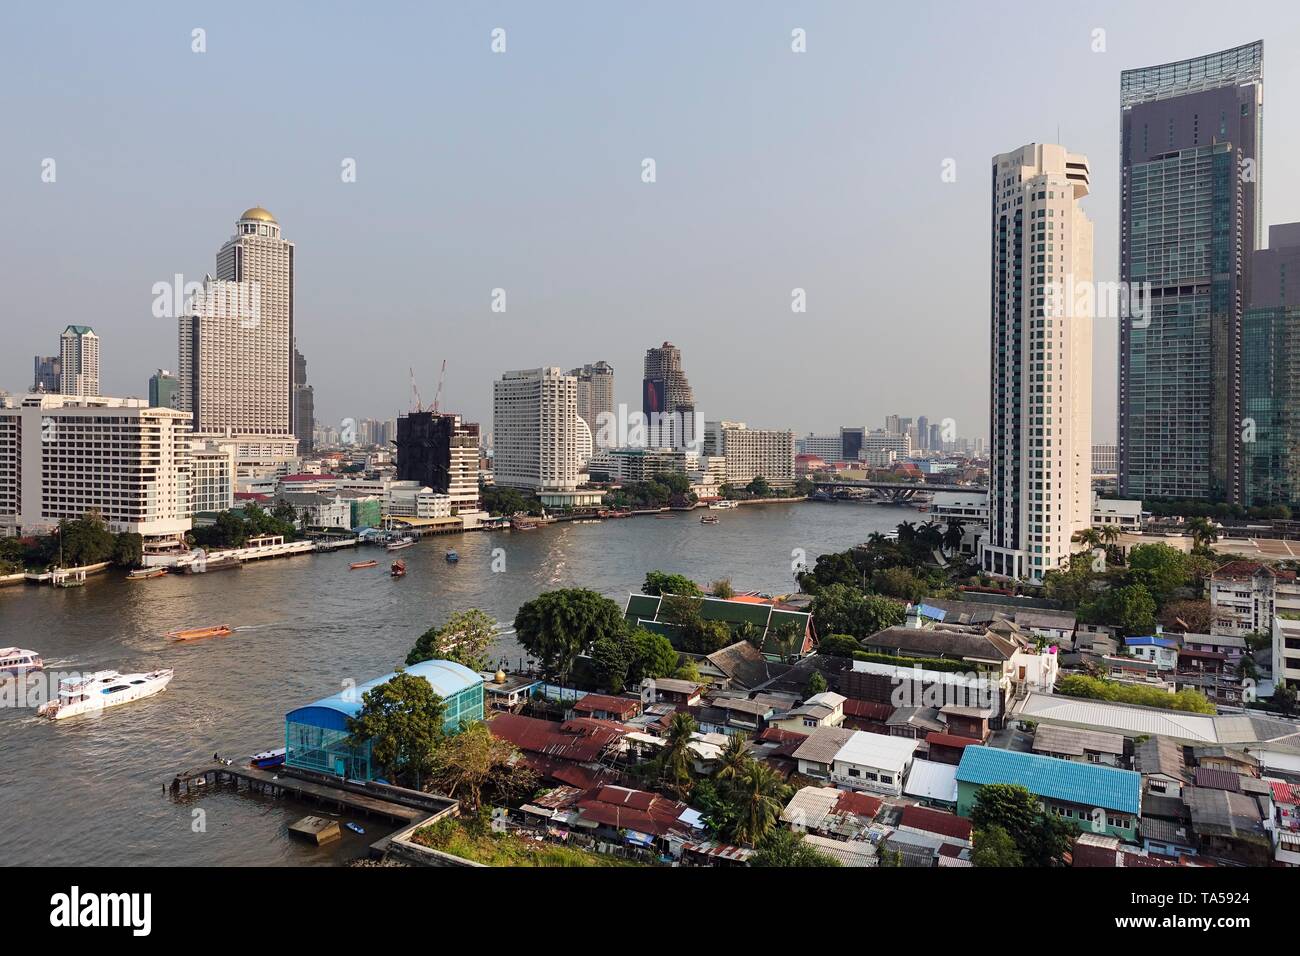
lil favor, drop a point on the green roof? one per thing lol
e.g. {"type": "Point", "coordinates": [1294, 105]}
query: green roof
{"type": "Point", "coordinates": [79, 329]}
{"type": "Point", "coordinates": [643, 610]}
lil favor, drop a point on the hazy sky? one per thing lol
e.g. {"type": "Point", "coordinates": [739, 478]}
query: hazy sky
{"type": "Point", "coordinates": [522, 171]}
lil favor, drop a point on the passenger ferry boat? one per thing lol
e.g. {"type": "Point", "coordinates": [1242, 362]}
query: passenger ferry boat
{"type": "Point", "coordinates": [89, 694]}
{"type": "Point", "coordinates": [403, 543]}
{"type": "Point", "coordinates": [14, 661]}
{"type": "Point", "coordinates": [724, 505]}
{"type": "Point", "coordinates": [709, 519]}
{"type": "Point", "coordinates": [398, 570]}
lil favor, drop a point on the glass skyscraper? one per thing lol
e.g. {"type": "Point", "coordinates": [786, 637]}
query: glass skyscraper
{"type": "Point", "coordinates": [1189, 199]}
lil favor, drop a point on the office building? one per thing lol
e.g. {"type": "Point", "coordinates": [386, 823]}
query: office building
{"type": "Point", "coordinates": [1270, 373]}
{"type": "Point", "coordinates": [1190, 174]}
{"type": "Point", "coordinates": [852, 442]}
{"type": "Point", "coordinates": [1040, 489]}
{"type": "Point", "coordinates": [886, 441]}
{"type": "Point", "coordinates": [1104, 460]}
{"type": "Point", "coordinates": [46, 374]}
{"type": "Point", "coordinates": [534, 428]}
{"type": "Point", "coordinates": [62, 456]}
{"type": "Point", "coordinates": [79, 361]}
{"type": "Point", "coordinates": [163, 389]}
{"type": "Point", "coordinates": [596, 401]}
{"type": "Point", "coordinates": [826, 447]}
{"type": "Point", "coordinates": [440, 452]}
{"type": "Point", "coordinates": [304, 405]}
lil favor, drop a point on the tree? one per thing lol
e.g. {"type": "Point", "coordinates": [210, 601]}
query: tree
{"type": "Point", "coordinates": [1203, 531]}
{"type": "Point", "coordinates": [128, 549]}
{"type": "Point", "coordinates": [900, 583]}
{"type": "Point", "coordinates": [816, 684]}
{"type": "Point", "coordinates": [1042, 839]}
{"type": "Point", "coordinates": [1160, 568]}
{"type": "Point", "coordinates": [760, 795]}
{"type": "Point", "coordinates": [84, 540]}
{"type": "Point", "coordinates": [662, 582]}
{"type": "Point", "coordinates": [735, 760]}
{"type": "Point", "coordinates": [688, 671]}
{"type": "Point", "coordinates": [953, 535]}
{"type": "Point", "coordinates": [1071, 586]}
{"type": "Point", "coordinates": [612, 656]}
{"type": "Point", "coordinates": [653, 655]}
{"type": "Point", "coordinates": [675, 770]}
{"type": "Point", "coordinates": [1095, 688]}
{"type": "Point", "coordinates": [759, 487]}
{"type": "Point", "coordinates": [465, 762]}
{"type": "Point", "coordinates": [465, 639]}
{"type": "Point", "coordinates": [782, 847]}
{"type": "Point", "coordinates": [838, 645]}
{"type": "Point", "coordinates": [1284, 699]}
{"type": "Point", "coordinates": [403, 720]}
{"type": "Point", "coordinates": [721, 588]}
{"type": "Point", "coordinates": [1130, 609]}
{"type": "Point", "coordinates": [993, 846]}
{"type": "Point", "coordinates": [1187, 617]}
{"type": "Point", "coordinates": [557, 626]}
{"type": "Point", "coordinates": [841, 609]}
{"type": "Point", "coordinates": [788, 639]}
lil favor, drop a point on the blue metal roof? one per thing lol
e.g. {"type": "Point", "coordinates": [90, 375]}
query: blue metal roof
{"type": "Point", "coordinates": [1150, 642]}
{"type": "Point", "coordinates": [933, 613]}
{"type": "Point", "coordinates": [1083, 783]}
{"type": "Point", "coordinates": [446, 677]}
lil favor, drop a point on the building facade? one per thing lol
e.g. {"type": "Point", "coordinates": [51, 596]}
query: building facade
{"type": "Point", "coordinates": [1190, 173]}
{"type": "Point", "coordinates": [79, 361]}
{"type": "Point", "coordinates": [440, 451]}
{"type": "Point", "coordinates": [236, 364]}
{"type": "Point", "coordinates": [752, 452]}
{"type": "Point", "coordinates": [596, 401]}
{"type": "Point", "coordinates": [667, 400]}
{"type": "Point", "coordinates": [45, 377]}
{"type": "Point", "coordinates": [63, 456]}
{"type": "Point", "coordinates": [1040, 489]}
{"type": "Point", "coordinates": [304, 405]}
{"type": "Point", "coordinates": [163, 389]}
{"type": "Point", "coordinates": [534, 430]}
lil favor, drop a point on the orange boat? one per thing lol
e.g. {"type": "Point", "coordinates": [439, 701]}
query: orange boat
{"type": "Point", "coordinates": [195, 633]}
{"type": "Point", "coordinates": [362, 564]}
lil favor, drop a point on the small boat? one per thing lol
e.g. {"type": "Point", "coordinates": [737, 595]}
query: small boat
{"type": "Point", "coordinates": [398, 569]}
{"type": "Point", "coordinates": [268, 759]}
{"type": "Point", "coordinates": [709, 519]}
{"type": "Point", "coordinates": [724, 505]}
{"type": "Point", "coordinates": [197, 633]}
{"type": "Point", "coordinates": [144, 574]}
{"type": "Point", "coordinates": [399, 545]}
{"type": "Point", "coordinates": [356, 565]}
{"type": "Point", "coordinates": [17, 662]}
{"type": "Point", "coordinates": [452, 556]}
{"type": "Point", "coordinates": [103, 689]}
{"type": "Point", "coordinates": [354, 828]}
{"type": "Point", "coordinates": [204, 565]}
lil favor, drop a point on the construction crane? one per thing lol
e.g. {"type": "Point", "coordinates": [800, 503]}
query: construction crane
{"type": "Point", "coordinates": [415, 394]}
{"type": "Point", "coordinates": [437, 396]}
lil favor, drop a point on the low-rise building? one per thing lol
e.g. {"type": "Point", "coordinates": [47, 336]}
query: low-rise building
{"type": "Point", "coordinates": [873, 762]}
{"type": "Point", "coordinates": [1086, 746]}
{"type": "Point", "coordinates": [1247, 595]}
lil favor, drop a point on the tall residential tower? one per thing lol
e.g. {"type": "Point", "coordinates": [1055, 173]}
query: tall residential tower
{"type": "Point", "coordinates": [1041, 408]}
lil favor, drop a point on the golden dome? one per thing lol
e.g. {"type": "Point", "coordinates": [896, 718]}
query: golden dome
{"type": "Point", "coordinates": [258, 213]}
{"type": "Point", "coordinates": [499, 677]}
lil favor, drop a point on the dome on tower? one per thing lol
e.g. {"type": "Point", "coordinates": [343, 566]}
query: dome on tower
{"type": "Point", "coordinates": [258, 213]}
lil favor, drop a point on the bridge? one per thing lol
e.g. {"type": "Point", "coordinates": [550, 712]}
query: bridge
{"type": "Point", "coordinates": [896, 491]}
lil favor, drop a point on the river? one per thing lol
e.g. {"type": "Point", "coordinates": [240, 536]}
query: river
{"type": "Point", "coordinates": [89, 790]}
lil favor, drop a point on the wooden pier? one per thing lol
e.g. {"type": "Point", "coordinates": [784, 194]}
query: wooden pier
{"type": "Point", "coordinates": [397, 804]}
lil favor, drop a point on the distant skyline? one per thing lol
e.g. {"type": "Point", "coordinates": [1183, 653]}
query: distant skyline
{"type": "Point", "coordinates": [522, 171]}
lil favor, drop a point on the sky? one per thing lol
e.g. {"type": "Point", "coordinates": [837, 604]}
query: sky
{"type": "Point", "coordinates": [523, 170]}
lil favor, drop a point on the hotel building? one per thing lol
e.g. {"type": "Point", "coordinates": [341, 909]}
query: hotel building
{"type": "Point", "coordinates": [79, 361]}
{"type": "Point", "coordinates": [535, 430]}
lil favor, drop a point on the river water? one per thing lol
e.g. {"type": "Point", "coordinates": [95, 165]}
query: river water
{"type": "Point", "coordinates": [89, 790]}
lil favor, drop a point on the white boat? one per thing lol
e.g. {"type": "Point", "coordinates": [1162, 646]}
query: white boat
{"type": "Point", "coordinates": [399, 545]}
{"type": "Point", "coordinates": [94, 692]}
{"type": "Point", "coordinates": [724, 505]}
{"type": "Point", "coordinates": [16, 662]}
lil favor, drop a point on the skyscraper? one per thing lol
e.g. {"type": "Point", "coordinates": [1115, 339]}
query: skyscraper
{"type": "Point", "coordinates": [304, 404]}
{"type": "Point", "coordinates": [667, 400]}
{"type": "Point", "coordinates": [440, 452]}
{"type": "Point", "coordinates": [162, 389]}
{"type": "Point", "coordinates": [1190, 171]}
{"type": "Point", "coordinates": [534, 430]}
{"type": "Point", "coordinates": [79, 361]}
{"type": "Point", "coordinates": [596, 399]}
{"type": "Point", "coordinates": [236, 352]}
{"type": "Point", "coordinates": [45, 376]}
{"type": "Point", "coordinates": [1270, 367]}
{"type": "Point", "coordinates": [1041, 408]}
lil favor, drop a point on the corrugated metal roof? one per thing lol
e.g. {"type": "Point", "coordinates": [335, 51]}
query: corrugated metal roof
{"type": "Point", "coordinates": [1081, 783]}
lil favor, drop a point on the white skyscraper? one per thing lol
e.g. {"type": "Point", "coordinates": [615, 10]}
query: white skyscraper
{"type": "Point", "coordinates": [535, 430]}
{"type": "Point", "coordinates": [1041, 403]}
{"type": "Point", "coordinates": [79, 361]}
{"type": "Point", "coordinates": [236, 337]}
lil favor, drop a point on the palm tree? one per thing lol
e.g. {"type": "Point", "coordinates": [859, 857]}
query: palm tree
{"type": "Point", "coordinates": [760, 796]}
{"type": "Point", "coordinates": [1089, 538]}
{"type": "Point", "coordinates": [735, 760]}
{"type": "Point", "coordinates": [906, 532]}
{"type": "Point", "coordinates": [677, 756]}
{"type": "Point", "coordinates": [1110, 534]}
{"type": "Point", "coordinates": [787, 638]}
{"type": "Point", "coordinates": [1203, 532]}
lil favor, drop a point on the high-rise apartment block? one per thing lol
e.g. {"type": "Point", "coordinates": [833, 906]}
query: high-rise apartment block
{"type": "Point", "coordinates": [535, 430]}
{"type": "Point", "coordinates": [1040, 412]}
{"type": "Point", "coordinates": [596, 401]}
{"type": "Point", "coordinates": [667, 400]}
{"type": "Point", "coordinates": [79, 361]}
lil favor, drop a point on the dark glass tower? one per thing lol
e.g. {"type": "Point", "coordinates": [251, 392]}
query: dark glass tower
{"type": "Point", "coordinates": [1189, 222]}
